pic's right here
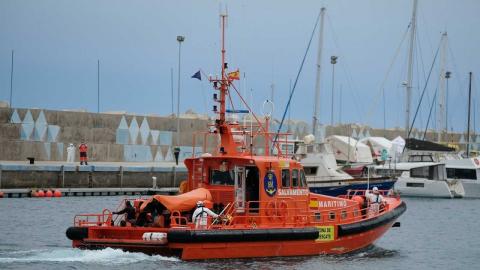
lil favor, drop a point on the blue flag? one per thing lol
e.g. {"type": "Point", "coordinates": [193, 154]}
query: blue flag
{"type": "Point", "coordinates": [197, 75]}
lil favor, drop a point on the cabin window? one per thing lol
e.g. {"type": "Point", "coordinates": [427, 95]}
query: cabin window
{"type": "Point", "coordinates": [303, 179]}
{"type": "Point", "coordinates": [331, 215]}
{"type": "Point", "coordinates": [470, 174]}
{"type": "Point", "coordinates": [355, 212]}
{"type": "Point", "coordinates": [285, 178]}
{"type": "Point", "coordinates": [218, 177]}
{"type": "Point", "coordinates": [420, 158]}
{"type": "Point", "coordinates": [343, 215]}
{"type": "Point", "coordinates": [310, 170]}
{"type": "Point", "coordinates": [421, 172]}
{"type": "Point", "coordinates": [295, 179]}
{"type": "Point", "coordinates": [416, 185]}
{"type": "Point", "coordinates": [318, 216]}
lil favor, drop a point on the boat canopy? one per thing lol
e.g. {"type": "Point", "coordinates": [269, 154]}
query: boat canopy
{"type": "Point", "coordinates": [349, 150]}
{"type": "Point", "coordinates": [419, 145]}
{"type": "Point", "coordinates": [378, 144]}
{"type": "Point", "coordinates": [182, 202]}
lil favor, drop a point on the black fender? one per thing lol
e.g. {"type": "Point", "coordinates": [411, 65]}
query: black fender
{"type": "Point", "coordinates": [77, 233]}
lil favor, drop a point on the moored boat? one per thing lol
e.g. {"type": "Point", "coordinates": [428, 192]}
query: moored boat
{"type": "Point", "coordinates": [265, 205]}
{"type": "Point", "coordinates": [428, 180]}
{"type": "Point", "coordinates": [325, 177]}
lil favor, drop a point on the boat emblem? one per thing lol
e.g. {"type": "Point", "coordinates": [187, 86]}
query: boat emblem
{"type": "Point", "coordinates": [270, 183]}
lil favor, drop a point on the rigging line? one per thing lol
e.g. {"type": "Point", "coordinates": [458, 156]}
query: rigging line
{"type": "Point", "coordinates": [430, 113]}
{"type": "Point", "coordinates": [382, 86]}
{"type": "Point", "coordinates": [420, 55]}
{"type": "Point", "coordinates": [296, 79]}
{"type": "Point", "coordinates": [345, 67]}
{"type": "Point", "coordinates": [397, 52]}
{"type": "Point", "coordinates": [261, 127]}
{"type": "Point", "coordinates": [423, 92]}
{"type": "Point", "coordinates": [399, 87]}
{"type": "Point", "coordinates": [456, 71]}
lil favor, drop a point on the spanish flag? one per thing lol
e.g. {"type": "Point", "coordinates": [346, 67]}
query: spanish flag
{"type": "Point", "coordinates": [234, 75]}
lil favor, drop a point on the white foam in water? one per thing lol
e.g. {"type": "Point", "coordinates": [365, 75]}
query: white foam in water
{"type": "Point", "coordinates": [104, 256]}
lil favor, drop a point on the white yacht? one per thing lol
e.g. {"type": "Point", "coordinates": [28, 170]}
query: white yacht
{"type": "Point", "coordinates": [428, 179]}
{"type": "Point", "coordinates": [467, 171]}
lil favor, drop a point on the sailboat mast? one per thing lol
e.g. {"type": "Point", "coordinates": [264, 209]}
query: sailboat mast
{"type": "Point", "coordinates": [410, 67]}
{"type": "Point", "coordinates": [441, 97]}
{"type": "Point", "coordinates": [468, 119]}
{"type": "Point", "coordinates": [316, 113]}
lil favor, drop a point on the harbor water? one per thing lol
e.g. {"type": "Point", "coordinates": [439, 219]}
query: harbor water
{"type": "Point", "coordinates": [434, 234]}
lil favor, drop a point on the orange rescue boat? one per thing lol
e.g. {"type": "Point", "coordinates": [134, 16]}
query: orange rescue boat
{"type": "Point", "coordinates": [265, 204]}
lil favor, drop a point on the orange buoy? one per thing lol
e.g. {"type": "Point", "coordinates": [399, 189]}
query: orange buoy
{"type": "Point", "coordinates": [49, 193]}
{"type": "Point", "coordinates": [57, 193]}
{"type": "Point", "coordinates": [1, 194]}
{"type": "Point", "coordinates": [40, 193]}
{"type": "Point", "coordinates": [33, 194]}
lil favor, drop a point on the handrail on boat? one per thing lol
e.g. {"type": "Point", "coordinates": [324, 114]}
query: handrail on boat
{"type": "Point", "coordinates": [103, 219]}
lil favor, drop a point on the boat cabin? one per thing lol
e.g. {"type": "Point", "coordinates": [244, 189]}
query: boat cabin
{"type": "Point", "coordinates": [252, 182]}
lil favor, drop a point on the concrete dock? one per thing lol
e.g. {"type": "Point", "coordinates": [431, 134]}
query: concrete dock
{"type": "Point", "coordinates": [19, 178]}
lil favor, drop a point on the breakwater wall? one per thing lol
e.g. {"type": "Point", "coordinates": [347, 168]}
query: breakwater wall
{"type": "Point", "coordinates": [43, 176]}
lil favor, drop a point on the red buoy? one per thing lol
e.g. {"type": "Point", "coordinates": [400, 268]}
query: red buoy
{"type": "Point", "coordinates": [33, 194]}
{"type": "Point", "coordinates": [57, 193]}
{"type": "Point", "coordinates": [40, 193]}
{"type": "Point", "coordinates": [1, 194]}
{"type": "Point", "coordinates": [49, 193]}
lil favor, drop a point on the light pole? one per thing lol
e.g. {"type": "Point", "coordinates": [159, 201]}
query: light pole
{"type": "Point", "coordinates": [11, 83]}
{"type": "Point", "coordinates": [447, 76]}
{"type": "Point", "coordinates": [180, 39]}
{"type": "Point", "coordinates": [333, 61]}
{"type": "Point", "coordinates": [98, 85]}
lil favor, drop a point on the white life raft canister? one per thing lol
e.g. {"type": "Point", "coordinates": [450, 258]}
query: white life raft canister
{"type": "Point", "coordinates": [159, 237]}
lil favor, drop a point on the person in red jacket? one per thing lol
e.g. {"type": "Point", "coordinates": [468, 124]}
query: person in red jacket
{"type": "Point", "coordinates": [83, 153]}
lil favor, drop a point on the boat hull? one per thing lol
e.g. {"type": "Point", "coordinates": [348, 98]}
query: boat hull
{"type": "Point", "coordinates": [472, 188]}
{"type": "Point", "coordinates": [342, 188]}
{"type": "Point", "coordinates": [419, 187]}
{"type": "Point", "coordinates": [248, 243]}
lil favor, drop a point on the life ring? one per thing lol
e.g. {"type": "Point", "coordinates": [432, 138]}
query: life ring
{"type": "Point", "coordinates": [107, 216]}
{"type": "Point", "coordinates": [276, 210]}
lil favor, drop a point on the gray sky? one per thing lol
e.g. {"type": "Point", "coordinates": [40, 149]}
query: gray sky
{"type": "Point", "coordinates": [57, 44]}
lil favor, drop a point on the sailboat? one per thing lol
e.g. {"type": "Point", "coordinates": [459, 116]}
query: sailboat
{"type": "Point", "coordinates": [323, 174]}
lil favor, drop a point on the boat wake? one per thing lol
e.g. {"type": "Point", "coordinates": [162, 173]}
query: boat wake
{"type": "Point", "coordinates": [106, 256]}
{"type": "Point", "coordinates": [370, 252]}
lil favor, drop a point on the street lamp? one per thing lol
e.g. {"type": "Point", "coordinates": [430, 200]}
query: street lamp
{"type": "Point", "coordinates": [333, 61]}
{"type": "Point", "coordinates": [447, 76]}
{"type": "Point", "coordinates": [180, 39]}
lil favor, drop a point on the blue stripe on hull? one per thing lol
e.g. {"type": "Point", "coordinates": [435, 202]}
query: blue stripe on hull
{"type": "Point", "coordinates": [342, 190]}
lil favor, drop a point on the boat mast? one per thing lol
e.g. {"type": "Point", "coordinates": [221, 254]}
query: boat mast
{"type": "Point", "coordinates": [410, 68]}
{"type": "Point", "coordinates": [468, 119]}
{"type": "Point", "coordinates": [316, 113]}
{"type": "Point", "coordinates": [441, 97]}
{"type": "Point", "coordinates": [224, 82]}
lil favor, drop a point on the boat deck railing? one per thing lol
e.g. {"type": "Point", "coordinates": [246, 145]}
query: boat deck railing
{"type": "Point", "coordinates": [286, 212]}
{"type": "Point", "coordinates": [102, 219]}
